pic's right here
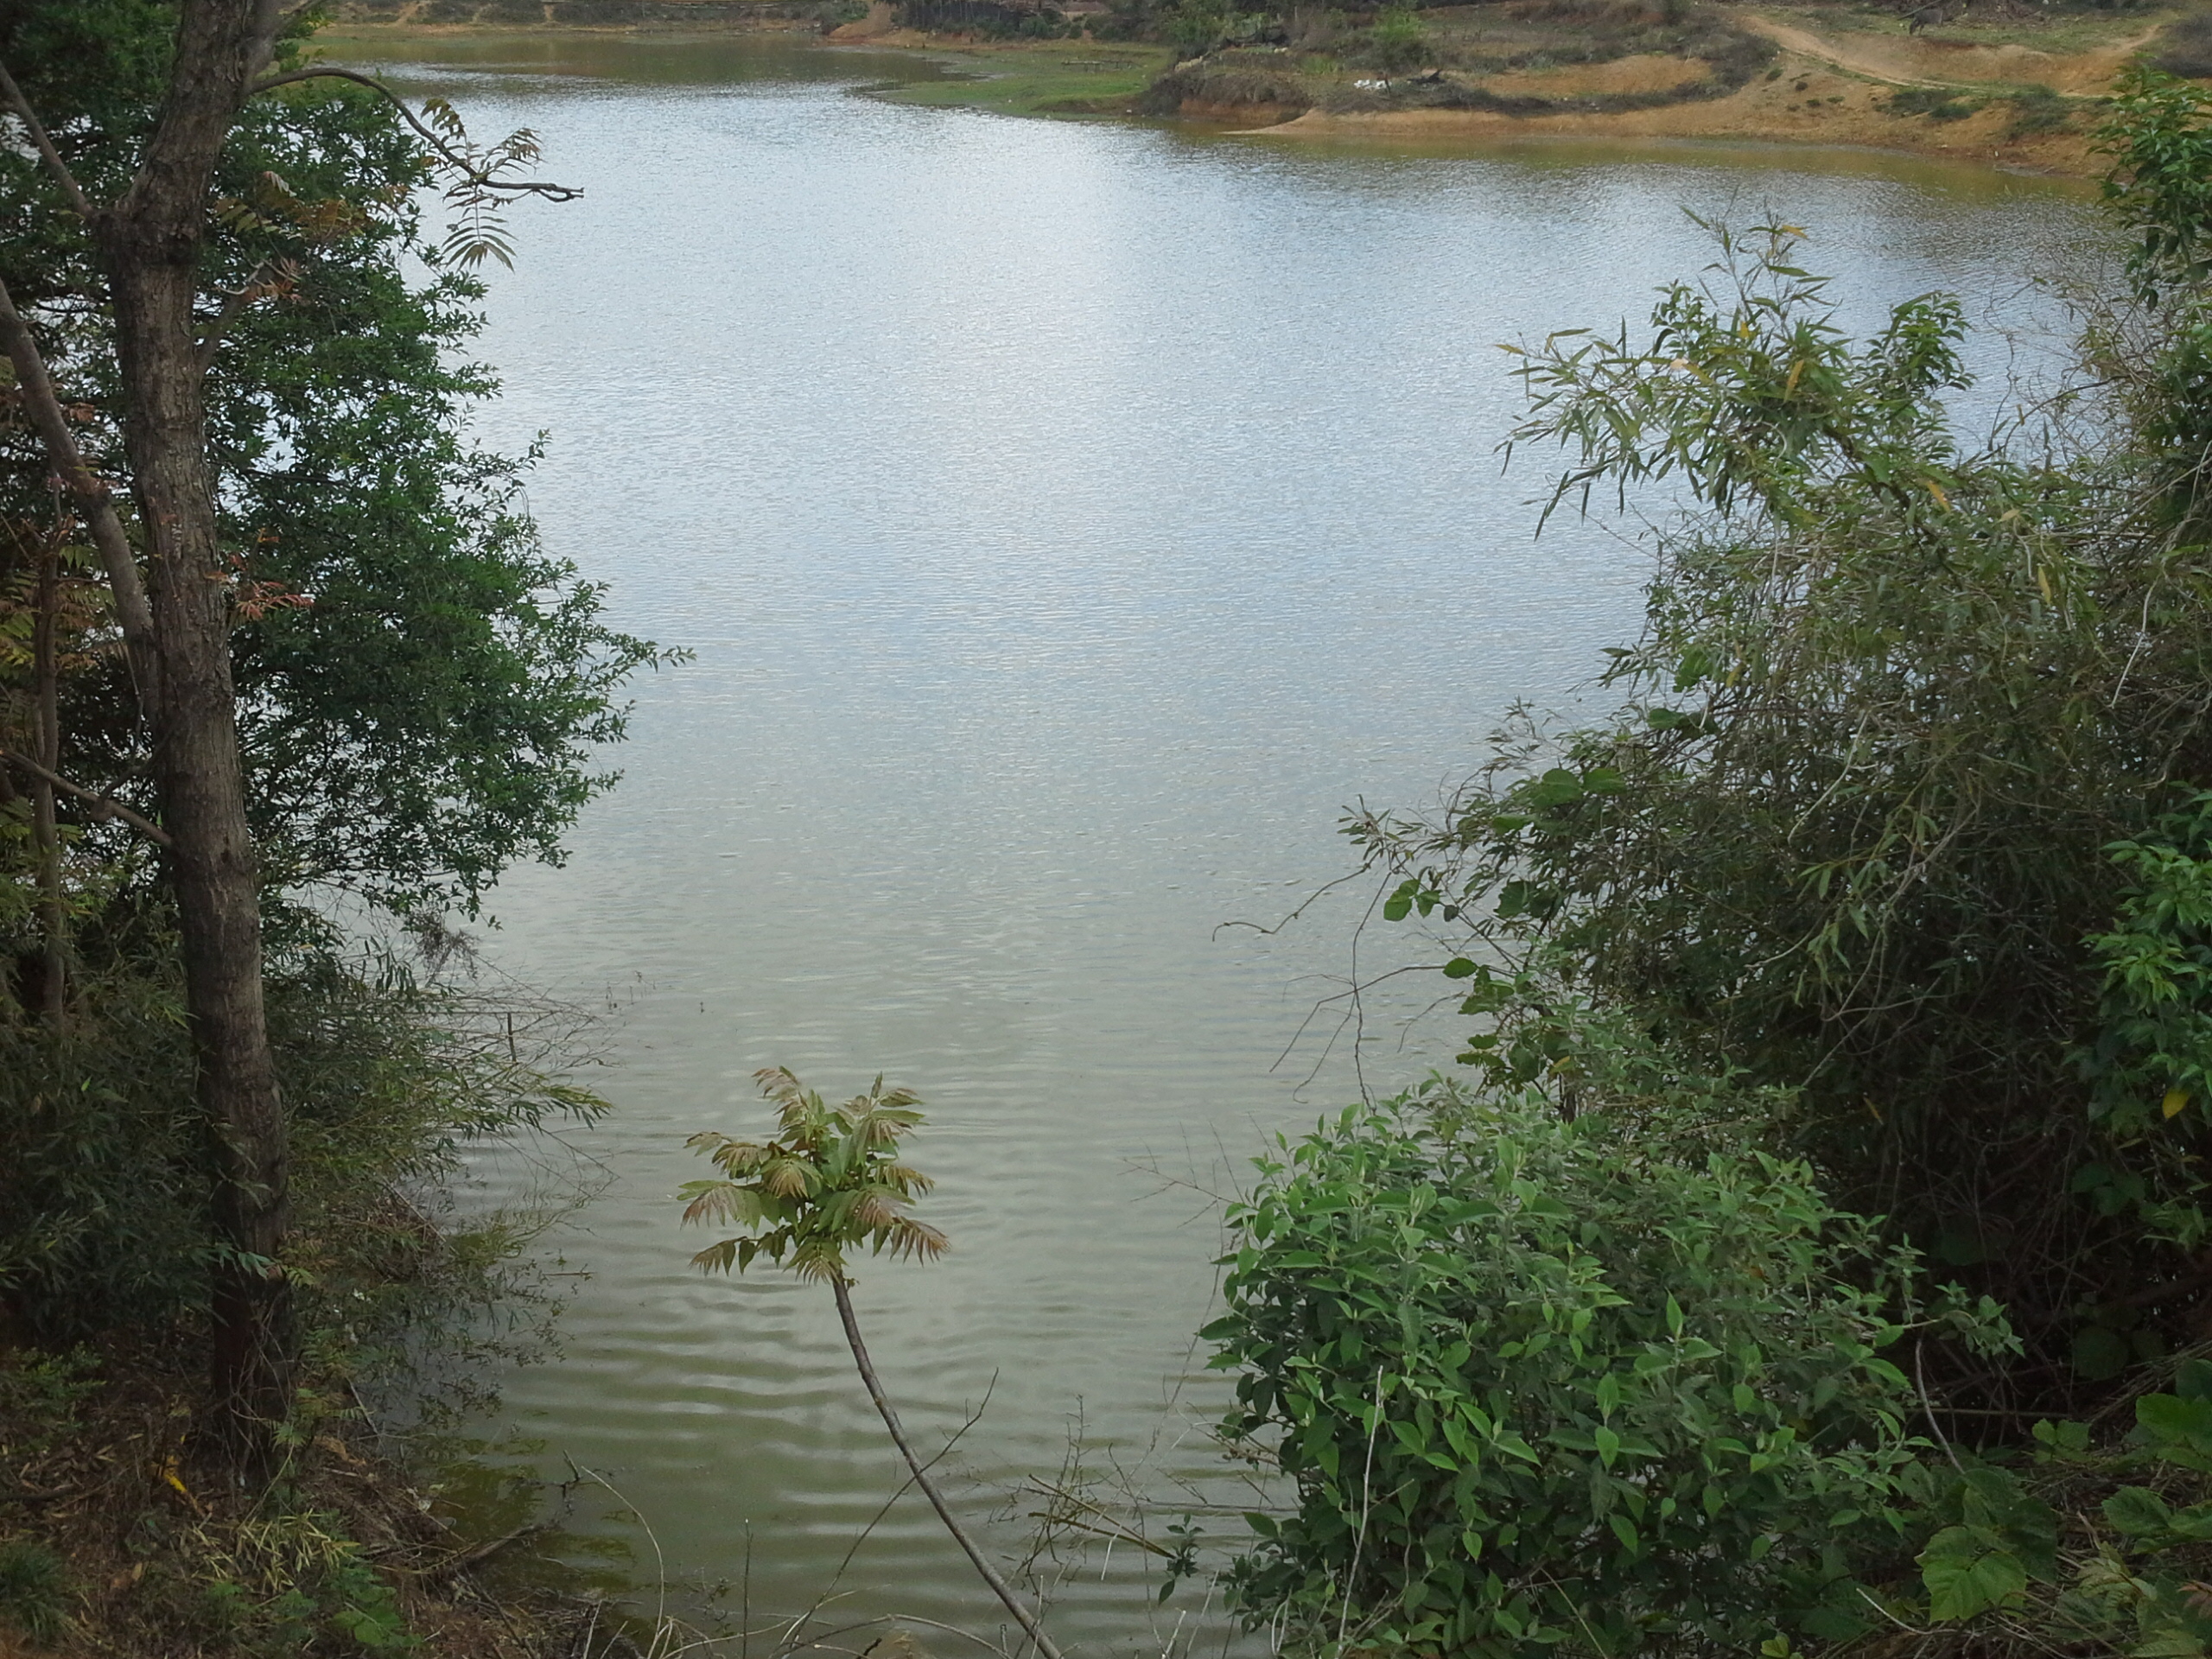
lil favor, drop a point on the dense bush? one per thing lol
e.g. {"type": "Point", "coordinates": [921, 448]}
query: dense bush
{"type": "Point", "coordinates": [102, 1184]}
{"type": "Point", "coordinates": [1396, 42]}
{"type": "Point", "coordinates": [2092, 1543]}
{"type": "Point", "coordinates": [1895, 864]}
{"type": "Point", "coordinates": [1541, 1381]}
{"type": "Point", "coordinates": [104, 1274]}
{"type": "Point", "coordinates": [1898, 695]}
{"type": "Point", "coordinates": [2185, 47]}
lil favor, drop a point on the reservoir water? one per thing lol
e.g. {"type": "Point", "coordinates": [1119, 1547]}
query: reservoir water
{"type": "Point", "coordinates": [1069, 520]}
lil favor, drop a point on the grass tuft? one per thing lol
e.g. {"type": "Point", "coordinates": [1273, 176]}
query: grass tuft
{"type": "Point", "coordinates": [1936, 102]}
{"type": "Point", "coordinates": [2039, 109]}
{"type": "Point", "coordinates": [35, 1593]}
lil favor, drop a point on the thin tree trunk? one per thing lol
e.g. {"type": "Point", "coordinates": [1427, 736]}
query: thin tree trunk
{"type": "Point", "coordinates": [45, 740]}
{"type": "Point", "coordinates": [1014, 1603]}
{"type": "Point", "coordinates": [35, 390]}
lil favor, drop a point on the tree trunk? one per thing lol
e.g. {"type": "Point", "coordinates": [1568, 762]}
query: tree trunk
{"type": "Point", "coordinates": [45, 749]}
{"type": "Point", "coordinates": [150, 243]}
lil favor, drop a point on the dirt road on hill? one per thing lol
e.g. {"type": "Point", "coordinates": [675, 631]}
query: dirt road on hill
{"type": "Point", "coordinates": [1924, 61]}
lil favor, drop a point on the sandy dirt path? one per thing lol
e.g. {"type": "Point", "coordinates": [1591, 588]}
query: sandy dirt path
{"type": "Point", "coordinates": [1923, 60]}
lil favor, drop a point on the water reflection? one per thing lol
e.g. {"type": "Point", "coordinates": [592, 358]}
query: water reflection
{"type": "Point", "coordinates": [1069, 519]}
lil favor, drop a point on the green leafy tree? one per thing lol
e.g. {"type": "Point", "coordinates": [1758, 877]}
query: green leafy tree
{"type": "Point", "coordinates": [205, 241]}
{"type": "Point", "coordinates": [1396, 42]}
{"type": "Point", "coordinates": [431, 715]}
{"type": "Point", "coordinates": [421, 687]}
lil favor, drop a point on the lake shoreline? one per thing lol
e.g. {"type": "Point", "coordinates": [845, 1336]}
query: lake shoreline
{"type": "Point", "coordinates": [1823, 93]}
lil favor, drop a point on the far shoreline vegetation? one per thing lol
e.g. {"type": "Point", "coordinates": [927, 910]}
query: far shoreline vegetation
{"type": "Point", "coordinates": [1809, 1251]}
{"type": "Point", "coordinates": [2004, 83]}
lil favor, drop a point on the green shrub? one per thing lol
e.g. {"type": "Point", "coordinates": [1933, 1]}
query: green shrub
{"type": "Point", "coordinates": [1934, 102]}
{"type": "Point", "coordinates": [38, 1397]}
{"type": "Point", "coordinates": [289, 1579]}
{"type": "Point", "coordinates": [1540, 1380]}
{"type": "Point", "coordinates": [222, 1611]}
{"type": "Point", "coordinates": [2092, 1549]}
{"type": "Point", "coordinates": [1195, 27]}
{"type": "Point", "coordinates": [1396, 42]}
{"type": "Point", "coordinates": [103, 1178]}
{"type": "Point", "coordinates": [34, 1590]}
{"type": "Point", "coordinates": [1900, 691]}
{"type": "Point", "coordinates": [2038, 109]}
{"type": "Point", "coordinates": [363, 1607]}
{"type": "Point", "coordinates": [103, 1160]}
{"type": "Point", "coordinates": [2149, 1067]}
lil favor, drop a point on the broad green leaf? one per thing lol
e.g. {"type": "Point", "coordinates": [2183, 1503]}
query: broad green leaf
{"type": "Point", "coordinates": [1965, 1576]}
{"type": "Point", "coordinates": [2137, 1512]}
{"type": "Point", "coordinates": [2176, 1423]}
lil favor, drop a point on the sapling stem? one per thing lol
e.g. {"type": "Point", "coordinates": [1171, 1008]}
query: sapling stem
{"type": "Point", "coordinates": [842, 1290]}
{"type": "Point", "coordinates": [830, 1181]}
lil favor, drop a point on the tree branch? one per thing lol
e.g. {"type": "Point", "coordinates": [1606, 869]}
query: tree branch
{"type": "Point", "coordinates": [35, 388]}
{"type": "Point", "coordinates": [47, 153]}
{"type": "Point", "coordinates": [474, 175]}
{"type": "Point", "coordinates": [102, 806]}
{"type": "Point", "coordinates": [269, 16]}
{"type": "Point", "coordinates": [235, 301]}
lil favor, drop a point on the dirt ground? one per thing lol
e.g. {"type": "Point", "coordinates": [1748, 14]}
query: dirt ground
{"type": "Point", "coordinates": [1647, 72]}
{"type": "Point", "coordinates": [1937, 59]}
{"type": "Point", "coordinates": [1972, 91]}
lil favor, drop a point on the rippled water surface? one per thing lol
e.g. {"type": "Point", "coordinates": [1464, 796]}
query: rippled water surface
{"type": "Point", "coordinates": [1068, 520]}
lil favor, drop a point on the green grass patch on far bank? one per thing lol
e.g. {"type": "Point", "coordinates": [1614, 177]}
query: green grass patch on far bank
{"type": "Point", "coordinates": [1039, 77]}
